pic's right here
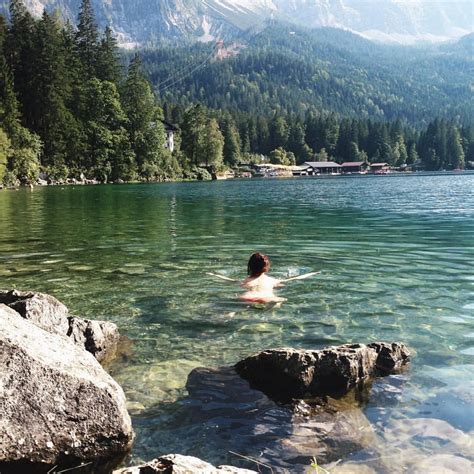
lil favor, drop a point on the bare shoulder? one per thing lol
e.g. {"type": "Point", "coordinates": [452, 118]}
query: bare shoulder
{"type": "Point", "coordinates": [272, 281]}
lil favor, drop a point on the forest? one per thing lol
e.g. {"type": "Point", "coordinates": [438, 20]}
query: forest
{"type": "Point", "coordinates": [73, 104]}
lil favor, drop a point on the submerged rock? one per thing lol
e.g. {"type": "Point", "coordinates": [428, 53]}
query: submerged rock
{"type": "Point", "coordinates": [100, 338]}
{"type": "Point", "coordinates": [178, 464]}
{"type": "Point", "coordinates": [286, 437]}
{"type": "Point", "coordinates": [291, 373]}
{"type": "Point", "coordinates": [58, 405]}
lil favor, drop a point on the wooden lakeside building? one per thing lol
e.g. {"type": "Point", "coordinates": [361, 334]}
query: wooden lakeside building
{"type": "Point", "coordinates": [314, 168]}
{"type": "Point", "coordinates": [357, 167]}
{"type": "Point", "coordinates": [320, 168]}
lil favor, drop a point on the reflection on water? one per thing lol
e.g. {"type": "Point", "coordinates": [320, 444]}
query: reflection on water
{"type": "Point", "coordinates": [396, 255]}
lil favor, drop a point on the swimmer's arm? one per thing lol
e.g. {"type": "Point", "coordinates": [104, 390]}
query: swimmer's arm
{"type": "Point", "coordinates": [222, 277]}
{"type": "Point", "coordinates": [301, 277]}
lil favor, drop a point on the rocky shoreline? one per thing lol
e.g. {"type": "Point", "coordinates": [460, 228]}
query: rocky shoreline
{"type": "Point", "coordinates": [63, 410]}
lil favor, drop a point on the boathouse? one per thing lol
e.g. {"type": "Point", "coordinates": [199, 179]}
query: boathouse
{"type": "Point", "coordinates": [301, 170]}
{"type": "Point", "coordinates": [322, 167]}
{"type": "Point", "coordinates": [355, 167]}
{"type": "Point", "coordinates": [379, 168]}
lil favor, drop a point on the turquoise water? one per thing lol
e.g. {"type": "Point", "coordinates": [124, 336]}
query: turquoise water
{"type": "Point", "coordinates": [396, 255]}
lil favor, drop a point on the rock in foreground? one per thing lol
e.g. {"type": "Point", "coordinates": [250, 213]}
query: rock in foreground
{"type": "Point", "coordinates": [100, 338]}
{"type": "Point", "coordinates": [58, 405]}
{"type": "Point", "coordinates": [178, 464]}
{"type": "Point", "coordinates": [291, 373]}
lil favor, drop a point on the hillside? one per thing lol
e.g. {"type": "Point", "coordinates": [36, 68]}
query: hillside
{"type": "Point", "coordinates": [146, 22]}
{"type": "Point", "coordinates": [296, 70]}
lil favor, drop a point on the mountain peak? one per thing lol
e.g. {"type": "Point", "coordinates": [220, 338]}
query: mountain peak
{"type": "Point", "coordinates": [395, 21]}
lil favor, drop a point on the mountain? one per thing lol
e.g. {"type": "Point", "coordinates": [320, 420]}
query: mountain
{"type": "Point", "coordinates": [294, 70]}
{"type": "Point", "coordinates": [149, 21]}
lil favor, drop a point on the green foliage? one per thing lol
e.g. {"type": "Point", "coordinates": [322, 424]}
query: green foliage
{"type": "Point", "coordinates": [144, 126]}
{"type": "Point", "coordinates": [203, 142]}
{"type": "Point", "coordinates": [87, 39]}
{"type": "Point", "coordinates": [24, 160]}
{"type": "Point", "coordinates": [231, 144]}
{"type": "Point", "coordinates": [323, 70]}
{"type": "Point", "coordinates": [322, 155]}
{"type": "Point", "coordinates": [5, 152]}
{"type": "Point", "coordinates": [196, 173]}
{"type": "Point", "coordinates": [280, 156]}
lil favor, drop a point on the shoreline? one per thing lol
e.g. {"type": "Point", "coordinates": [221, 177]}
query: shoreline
{"type": "Point", "coordinates": [397, 174]}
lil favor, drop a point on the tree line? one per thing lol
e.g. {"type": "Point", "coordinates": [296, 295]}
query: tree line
{"type": "Point", "coordinates": [69, 107]}
{"type": "Point", "coordinates": [292, 139]}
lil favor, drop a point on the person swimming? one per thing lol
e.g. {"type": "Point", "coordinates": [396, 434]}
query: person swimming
{"type": "Point", "coordinates": [258, 284]}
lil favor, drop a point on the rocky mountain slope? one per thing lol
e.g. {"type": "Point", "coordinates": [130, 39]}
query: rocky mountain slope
{"type": "Point", "coordinates": [148, 21]}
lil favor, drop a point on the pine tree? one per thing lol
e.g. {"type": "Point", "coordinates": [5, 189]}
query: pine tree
{"type": "Point", "coordinates": [21, 54]}
{"type": "Point", "coordinates": [192, 128]}
{"type": "Point", "coordinates": [412, 154]}
{"type": "Point", "coordinates": [87, 39]}
{"type": "Point", "coordinates": [454, 148]}
{"type": "Point", "coordinates": [53, 120]}
{"type": "Point", "coordinates": [108, 65]}
{"type": "Point", "coordinates": [279, 132]}
{"type": "Point", "coordinates": [23, 148]}
{"type": "Point", "coordinates": [296, 139]}
{"type": "Point", "coordinates": [144, 125]}
{"type": "Point", "coordinates": [231, 143]}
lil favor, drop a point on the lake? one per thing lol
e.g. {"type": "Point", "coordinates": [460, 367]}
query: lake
{"type": "Point", "coordinates": [396, 255]}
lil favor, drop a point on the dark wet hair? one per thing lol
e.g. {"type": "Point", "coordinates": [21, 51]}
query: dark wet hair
{"type": "Point", "coordinates": [258, 264]}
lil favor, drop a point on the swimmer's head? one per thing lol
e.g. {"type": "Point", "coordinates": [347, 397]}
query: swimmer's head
{"type": "Point", "coordinates": [258, 264]}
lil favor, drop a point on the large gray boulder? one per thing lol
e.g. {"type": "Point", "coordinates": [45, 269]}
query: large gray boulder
{"type": "Point", "coordinates": [100, 338]}
{"type": "Point", "coordinates": [58, 405]}
{"type": "Point", "coordinates": [291, 373]}
{"type": "Point", "coordinates": [43, 310]}
{"type": "Point", "coordinates": [178, 464]}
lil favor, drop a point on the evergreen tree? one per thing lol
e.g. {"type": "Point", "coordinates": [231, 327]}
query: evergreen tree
{"type": "Point", "coordinates": [108, 147]}
{"type": "Point", "coordinates": [279, 132]}
{"type": "Point", "coordinates": [21, 55]}
{"type": "Point", "coordinates": [231, 144]}
{"type": "Point", "coordinates": [192, 128]}
{"type": "Point", "coordinates": [454, 149]}
{"type": "Point", "coordinates": [145, 128]}
{"type": "Point", "coordinates": [87, 39]}
{"type": "Point", "coordinates": [296, 140]}
{"type": "Point", "coordinates": [108, 64]}
{"type": "Point", "coordinates": [21, 147]}
{"type": "Point", "coordinates": [53, 121]}
{"type": "Point", "coordinates": [212, 145]}
{"type": "Point", "coordinates": [412, 154]}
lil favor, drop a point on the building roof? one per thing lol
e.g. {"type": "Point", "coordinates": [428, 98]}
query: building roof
{"type": "Point", "coordinates": [353, 163]}
{"type": "Point", "coordinates": [322, 164]}
{"type": "Point", "coordinates": [379, 164]}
